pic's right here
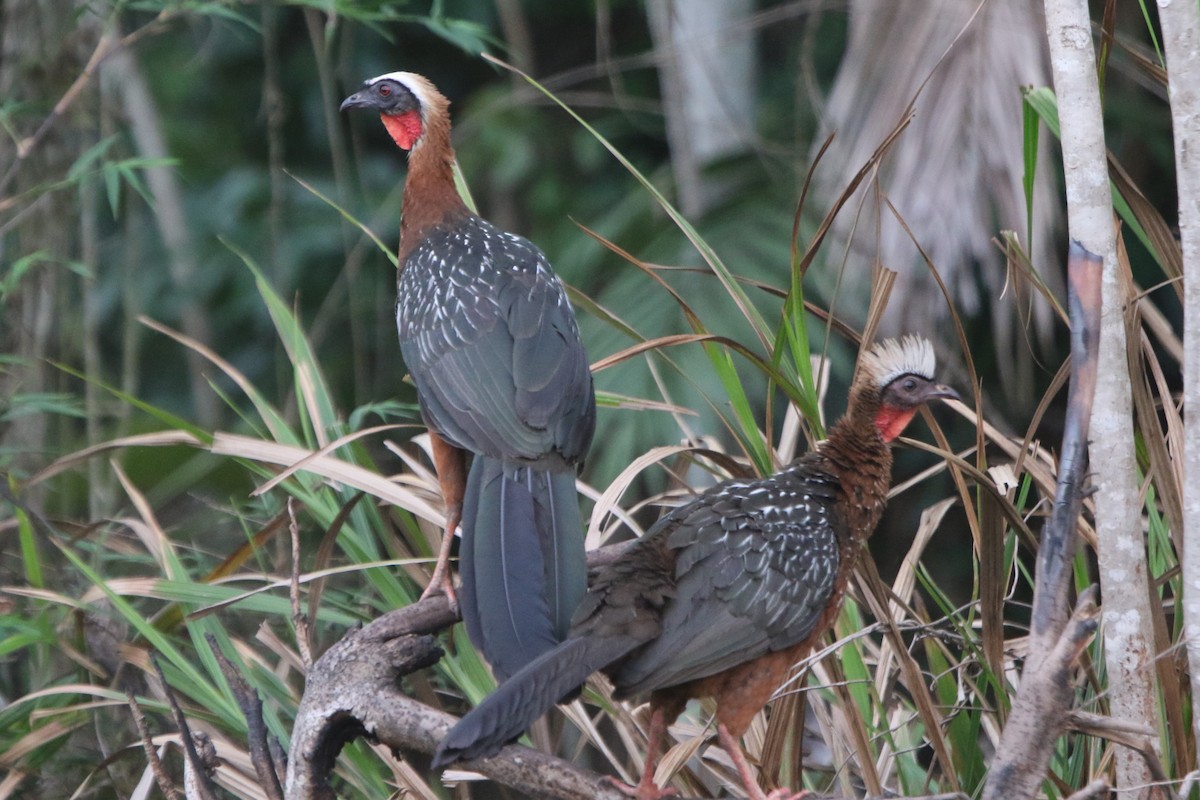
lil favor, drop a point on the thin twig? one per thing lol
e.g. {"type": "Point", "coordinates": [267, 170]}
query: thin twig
{"type": "Point", "coordinates": [1093, 789]}
{"type": "Point", "coordinates": [107, 45]}
{"type": "Point", "coordinates": [256, 732]}
{"type": "Point", "coordinates": [202, 786]}
{"type": "Point", "coordinates": [299, 618]}
{"type": "Point", "coordinates": [165, 784]}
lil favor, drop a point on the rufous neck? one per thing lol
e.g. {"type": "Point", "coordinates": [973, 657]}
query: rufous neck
{"type": "Point", "coordinates": [430, 196]}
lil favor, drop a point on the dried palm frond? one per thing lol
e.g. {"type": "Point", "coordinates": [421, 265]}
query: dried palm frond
{"type": "Point", "coordinates": [955, 175]}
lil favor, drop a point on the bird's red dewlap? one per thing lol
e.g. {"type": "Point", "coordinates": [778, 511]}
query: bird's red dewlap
{"type": "Point", "coordinates": [891, 421]}
{"type": "Point", "coordinates": [404, 128]}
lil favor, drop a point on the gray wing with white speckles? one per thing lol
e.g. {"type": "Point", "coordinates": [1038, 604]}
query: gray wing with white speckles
{"type": "Point", "coordinates": [491, 341]}
{"type": "Point", "coordinates": [755, 566]}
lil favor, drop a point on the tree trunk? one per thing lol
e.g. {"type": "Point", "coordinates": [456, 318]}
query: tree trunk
{"type": "Point", "coordinates": [1181, 35]}
{"type": "Point", "coordinates": [707, 73]}
{"type": "Point", "coordinates": [44, 44]}
{"type": "Point", "coordinates": [1128, 641]}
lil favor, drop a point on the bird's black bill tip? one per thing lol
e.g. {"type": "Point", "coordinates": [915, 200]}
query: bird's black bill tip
{"type": "Point", "coordinates": [356, 100]}
{"type": "Point", "coordinates": [940, 391]}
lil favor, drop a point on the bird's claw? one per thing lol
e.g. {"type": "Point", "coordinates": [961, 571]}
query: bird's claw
{"type": "Point", "coordinates": [643, 791]}
{"type": "Point", "coordinates": [441, 582]}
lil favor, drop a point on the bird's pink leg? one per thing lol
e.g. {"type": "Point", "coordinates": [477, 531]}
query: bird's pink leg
{"type": "Point", "coordinates": [647, 789]}
{"type": "Point", "coordinates": [730, 745]}
{"type": "Point", "coordinates": [450, 463]}
{"type": "Point", "coordinates": [442, 580]}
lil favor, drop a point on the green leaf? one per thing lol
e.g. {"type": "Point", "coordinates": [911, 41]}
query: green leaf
{"type": "Point", "coordinates": [1031, 130]}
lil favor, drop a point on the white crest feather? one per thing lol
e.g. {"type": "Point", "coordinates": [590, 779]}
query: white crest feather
{"type": "Point", "coordinates": [419, 85]}
{"type": "Point", "coordinates": [891, 358]}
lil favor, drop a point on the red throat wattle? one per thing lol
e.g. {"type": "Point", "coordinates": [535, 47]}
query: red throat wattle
{"type": "Point", "coordinates": [891, 421]}
{"type": "Point", "coordinates": [404, 128]}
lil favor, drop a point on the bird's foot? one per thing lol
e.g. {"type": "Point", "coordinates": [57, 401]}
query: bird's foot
{"type": "Point", "coordinates": [646, 790]}
{"type": "Point", "coordinates": [442, 582]}
{"type": "Point", "coordinates": [788, 794]}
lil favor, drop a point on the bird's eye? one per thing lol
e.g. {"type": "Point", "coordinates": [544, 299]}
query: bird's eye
{"type": "Point", "coordinates": [910, 384]}
{"type": "Point", "coordinates": [385, 90]}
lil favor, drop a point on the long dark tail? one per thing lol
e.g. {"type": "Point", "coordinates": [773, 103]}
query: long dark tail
{"type": "Point", "coordinates": [522, 561]}
{"type": "Point", "coordinates": [507, 712]}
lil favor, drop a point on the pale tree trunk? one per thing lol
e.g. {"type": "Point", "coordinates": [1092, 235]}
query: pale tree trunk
{"type": "Point", "coordinates": [1181, 34]}
{"type": "Point", "coordinates": [44, 44]}
{"type": "Point", "coordinates": [124, 74]}
{"type": "Point", "coordinates": [1122, 554]}
{"type": "Point", "coordinates": [706, 53]}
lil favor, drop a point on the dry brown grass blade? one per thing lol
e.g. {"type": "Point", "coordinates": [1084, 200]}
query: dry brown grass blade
{"type": "Point", "coordinates": [579, 717]}
{"type": "Point", "coordinates": [993, 579]}
{"type": "Point", "coordinates": [981, 480]}
{"type": "Point", "coordinates": [611, 497]}
{"type": "Point", "coordinates": [216, 360]}
{"type": "Point", "coordinates": [1165, 245]}
{"type": "Point", "coordinates": [692, 317]}
{"type": "Point", "coordinates": [655, 344]}
{"type": "Point", "coordinates": [1172, 669]}
{"type": "Point", "coordinates": [234, 561]}
{"type": "Point", "coordinates": [12, 781]}
{"type": "Point", "coordinates": [782, 750]}
{"type": "Point", "coordinates": [327, 448]}
{"type": "Point", "coordinates": [871, 164]}
{"type": "Point", "coordinates": [325, 554]}
{"type": "Point", "coordinates": [157, 543]}
{"type": "Point", "coordinates": [642, 404]}
{"type": "Point", "coordinates": [676, 758]}
{"type": "Point", "coordinates": [1166, 447]}
{"type": "Point", "coordinates": [229, 444]}
{"type": "Point", "coordinates": [40, 736]}
{"type": "Point", "coordinates": [1021, 272]}
{"type": "Point", "coordinates": [881, 289]}
{"type": "Point", "coordinates": [854, 726]}
{"type": "Point", "coordinates": [906, 577]}
{"type": "Point", "coordinates": [876, 594]}
{"type": "Point", "coordinates": [72, 460]}
{"type": "Point", "coordinates": [964, 350]}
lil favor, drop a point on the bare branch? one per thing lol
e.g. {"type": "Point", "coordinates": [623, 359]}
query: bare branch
{"type": "Point", "coordinates": [1040, 712]}
{"type": "Point", "coordinates": [1057, 549]}
{"type": "Point", "coordinates": [299, 618]}
{"type": "Point", "coordinates": [1096, 788]}
{"type": "Point", "coordinates": [197, 783]}
{"type": "Point", "coordinates": [165, 784]}
{"type": "Point", "coordinates": [256, 732]}
{"type": "Point", "coordinates": [107, 45]}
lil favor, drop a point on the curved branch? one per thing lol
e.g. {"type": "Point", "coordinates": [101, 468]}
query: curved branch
{"type": "Point", "coordinates": [352, 691]}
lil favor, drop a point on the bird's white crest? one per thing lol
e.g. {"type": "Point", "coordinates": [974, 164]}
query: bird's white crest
{"type": "Point", "coordinates": [417, 84]}
{"type": "Point", "coordinates": [891, 358]}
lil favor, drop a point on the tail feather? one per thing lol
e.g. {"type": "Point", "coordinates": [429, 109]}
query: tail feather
{"type": "Point", "coordinates": [509, 711]}
{"type": "Point", "coordinates": [560, 527]}
{"type": "Point", "coordinates": [522, 561]}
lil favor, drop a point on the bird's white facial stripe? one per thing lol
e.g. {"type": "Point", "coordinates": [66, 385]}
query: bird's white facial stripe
{"type": "Point", "coordinates": [409, 81]}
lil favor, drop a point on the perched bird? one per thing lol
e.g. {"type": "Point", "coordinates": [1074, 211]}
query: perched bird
{"type": "Point", "coordinates": [724, 594]}
{"type": "Point", "coordinates": [491, 342]}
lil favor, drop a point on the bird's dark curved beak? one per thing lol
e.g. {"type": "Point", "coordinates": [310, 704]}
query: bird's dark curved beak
{"type": "Point", "coordinates": [357, 100]}
{"type": "Point", "coordinates": [938, 391]}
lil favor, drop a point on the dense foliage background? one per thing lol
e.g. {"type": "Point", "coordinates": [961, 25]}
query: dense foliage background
{"type": "Point", "coordinates": [191, 303]}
